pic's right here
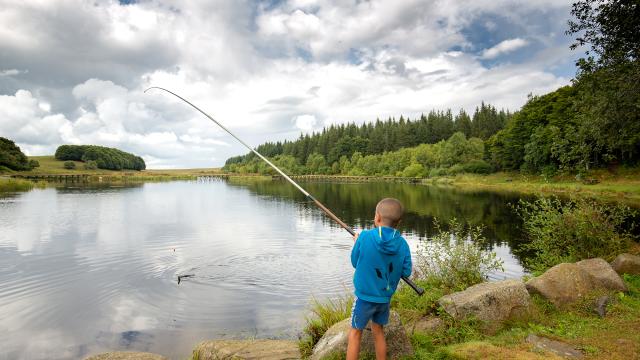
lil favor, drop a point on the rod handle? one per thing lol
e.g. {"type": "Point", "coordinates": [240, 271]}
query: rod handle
{"type": "Point", "coordinates": [414, 286]}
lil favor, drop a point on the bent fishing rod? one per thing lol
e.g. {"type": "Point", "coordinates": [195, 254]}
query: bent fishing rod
{"type": "Point", "coordinates": [328, 212]}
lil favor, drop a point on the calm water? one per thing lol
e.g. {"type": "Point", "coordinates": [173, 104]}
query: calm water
{"type": "Point", "coordinates": [93, 269]}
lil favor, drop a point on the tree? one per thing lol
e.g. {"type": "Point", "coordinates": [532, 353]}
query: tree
{"type": "Point", "coordinates": [12, 157]}
{"type": "Point", "coordinates": [69, 165]}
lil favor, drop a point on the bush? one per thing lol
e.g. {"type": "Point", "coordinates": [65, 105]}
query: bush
{"type": "Point", "coordinates": [478, 167]}
{"type": "Point", "coordinates": [70, 165]}
{"type": "Point", "coordinates": [454, 258]}
{"type": "Point", "coordinates": [11, 156]}
{"type": "Point", "coordinates": [90, 165]}
{"type": "Point", "coordinates": [105, 158]}
{"type": "Point", "coordinates": [574, 230]}
{"type": "Point", "coordinates": [413, 170]}
{"type": "Point", "coordinates": [33, 164]}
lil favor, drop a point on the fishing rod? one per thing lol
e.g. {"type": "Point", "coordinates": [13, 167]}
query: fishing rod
{"type": "Point", "coordinates": [328, 212]}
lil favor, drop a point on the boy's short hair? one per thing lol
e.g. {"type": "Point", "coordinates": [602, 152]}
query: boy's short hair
{"type": "Point", "coordinates": [390, 210]}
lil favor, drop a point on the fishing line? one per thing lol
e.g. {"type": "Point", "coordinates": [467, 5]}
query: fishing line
{"type": "Point", "coordinates": [328, 212]}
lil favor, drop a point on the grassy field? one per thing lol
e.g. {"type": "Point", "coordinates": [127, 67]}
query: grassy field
{"type": "Point", "coordinates": [624, 186]}
{"type": "Point", "coordinates": [50, 166]}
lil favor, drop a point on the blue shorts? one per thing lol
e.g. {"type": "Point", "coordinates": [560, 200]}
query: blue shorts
{"type": "Point", "coordinates": [363, 311]}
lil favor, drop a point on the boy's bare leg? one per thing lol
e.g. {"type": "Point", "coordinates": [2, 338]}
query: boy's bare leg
{"type": "Point", "coordinates": [379, 341]}
{"type": "Point", "coordinates": [353, 347]}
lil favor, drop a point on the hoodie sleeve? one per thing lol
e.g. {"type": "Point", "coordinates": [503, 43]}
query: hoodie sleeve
{"type": "Point", "coordinates": [355, 251]}
{"type": "Point", "coordinates": [406, 265]}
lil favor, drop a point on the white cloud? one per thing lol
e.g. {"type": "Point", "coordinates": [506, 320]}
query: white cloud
{"type": "Point", "coordinates": [504, 47]}
{"type": "Point", "coordinates": [306, 123]}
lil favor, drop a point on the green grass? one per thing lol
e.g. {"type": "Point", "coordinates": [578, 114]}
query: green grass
{"type": "Point", "coordinates": [623, 186]}
{"type": "Point", "coordinates": [15, 185]}
{"type": "Point", "coordinates": [324, 314]}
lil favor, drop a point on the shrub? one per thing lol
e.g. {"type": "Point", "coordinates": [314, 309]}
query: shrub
{"type": "Point", "coordinates": [478, 167]}
{"type": "Point", "coordinates": [413, 170]}
{"type": "Point", "coordinates": [70, 165]}
{"type": "Point", "coordinates": [90, 165]}
{"type": "Point", "coordinates": [34, 164]}
{"type": "Point", "coordinates": [454, 258]}
{"type": "Point", "coordinates": [574, 230]}
{"type": "Point", "coordinates": [11, 156]}
{"type": "Point", "coordinates": [105, 157]}
{"type": "Point", "coordinates": [324, 315]}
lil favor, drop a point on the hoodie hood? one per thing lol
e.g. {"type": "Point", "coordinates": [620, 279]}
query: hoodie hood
{"type": "Point", "coordinates": [388, 240]}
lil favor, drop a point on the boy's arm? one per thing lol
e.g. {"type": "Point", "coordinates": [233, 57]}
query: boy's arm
{"type": "Point", "coordinates": [355, 252]}
{"type": "Point", "coordinates": [406, 265]}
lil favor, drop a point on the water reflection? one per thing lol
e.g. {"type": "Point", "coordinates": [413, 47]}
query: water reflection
{"type": "Point", "coordinates": [90, 269]}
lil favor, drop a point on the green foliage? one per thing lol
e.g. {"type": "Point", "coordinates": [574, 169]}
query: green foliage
{"type": "Point", "coordinates": [33, 164]}
{"type": "Point", "coordinates": [104, 157]}
{"type": "Point", "coordinates": [455, 155]}
{"type": "Point", "coordinates": [574, 230]}
{"type": "Point", "coordinates": [12, 157]}
{"type": "Point", "coordinates": [455, 258]}
{"type": "Point", "coordinates": [90, 165]}
{"type": "Point", "coordinates": [323, 316]}
{"type": "Point", "coordinates": [69, 165]}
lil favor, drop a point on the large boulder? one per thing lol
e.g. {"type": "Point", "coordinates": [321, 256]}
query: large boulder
{"type": "Point", "coordinates": [246, 349]}
{"type": "Point", "coordinates": [603, 274]}
{"type": "Point", "coordinates": [562, 284]}
{"type": "Point", "coordinates": [126, 355]}
{"type": "Point", "coordinates": [491, 302]}
{"type": "Point", "coordinates": [626, 264]}
{"type": "Point", "coordinates": [336, 338]}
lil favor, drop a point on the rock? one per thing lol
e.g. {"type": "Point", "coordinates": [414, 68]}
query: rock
{"type": "Point", "coordinates": [626, 264]}
{"type": "Point", "coordinates": [126, 355]}
{"type": "Point", "coordinates": [491, 302]}
{"type": "Point", "coordinates": [601, 305]}
{"type": "Point", "coordinates": [562, 284]}
{"type": "Point", "coordinates": [603, 274]}
{"type": "Point", "coordinates": [246, 349]}
{"type": "Point", "coordinates": [425, 325]}
{"type": "Point", "coordinates": [336, 338]}
{"type": "Point", "coordinates": [559, 348]}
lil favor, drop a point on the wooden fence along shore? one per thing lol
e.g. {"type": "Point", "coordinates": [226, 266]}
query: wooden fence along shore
{"type": "Point", "coordinates": [76, 178]}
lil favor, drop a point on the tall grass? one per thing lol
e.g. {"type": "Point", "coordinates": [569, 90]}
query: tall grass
{"type": "Point", "coordinates": [15, 185]}
{"type": "Point", "coordinates": [324, 314]}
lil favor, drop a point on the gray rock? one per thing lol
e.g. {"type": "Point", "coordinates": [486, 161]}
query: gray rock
{"type": "Point", "coordinates": [336, 338]}
{"type": "Point", "coordinates": [562, 284]}
{"type": "Point", "coordinates": [126, 355]}
{"type": "Point", "coordinates": [600, 305]}
{"type": "Point", "coordinates": [603, 274]}
{"type": "Point", "coordinates": [626, 264]}
{"type": "Point", "coordinates": [559, 348]}
{"type": "Point", "coordinates": [491, 302]}
{"type": "Point", "coordinates": [246, 349]}
{"type": "Point", "coordinates": [426, 324]}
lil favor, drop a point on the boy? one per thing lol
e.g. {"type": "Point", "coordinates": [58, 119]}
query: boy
{"type": "Point", "coordinates": [380, 256]}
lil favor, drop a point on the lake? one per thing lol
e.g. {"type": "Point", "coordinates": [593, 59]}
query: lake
{"type": "Point", "coordinates": [91, 269]}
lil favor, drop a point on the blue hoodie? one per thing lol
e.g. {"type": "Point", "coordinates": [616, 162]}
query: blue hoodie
{"type": "Point", "coordinates": [380, 256]}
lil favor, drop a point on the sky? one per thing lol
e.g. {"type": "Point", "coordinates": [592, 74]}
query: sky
{"type": "Point", "coordinates": [74, 72]}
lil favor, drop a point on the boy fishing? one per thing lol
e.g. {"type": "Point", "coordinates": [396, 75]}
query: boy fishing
{"type": "Point", "coordinates": [381, 256]}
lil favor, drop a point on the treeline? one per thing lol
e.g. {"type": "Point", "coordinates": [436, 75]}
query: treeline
{"type": "Point", "coordinates": [452, 156]}
{"type": "Point", "coordinates": [11, 157]}
{"type": "Point", "coordinates": [337, 142]}
{"type": "Point", "coordinates": [104, 157]}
